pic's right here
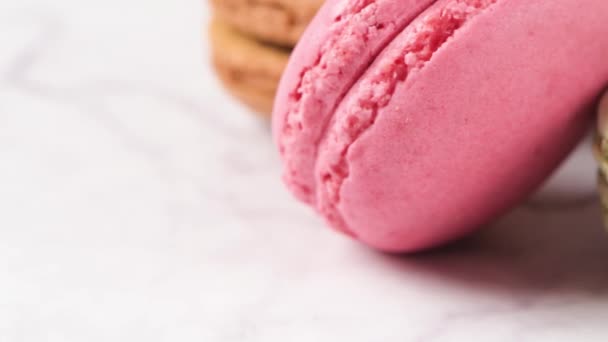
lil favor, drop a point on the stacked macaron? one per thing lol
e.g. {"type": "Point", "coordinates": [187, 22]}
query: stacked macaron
{"type": "Point", "coordinates": [601, 153]}
{"type": "Point", "coordinates": [251, 43]}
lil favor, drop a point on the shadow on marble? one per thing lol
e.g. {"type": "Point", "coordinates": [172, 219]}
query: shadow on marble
{"type": "Point", "coordinates": [526, 255]}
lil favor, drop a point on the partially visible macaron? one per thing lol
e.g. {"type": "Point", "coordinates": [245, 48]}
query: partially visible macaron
{"type": "Point", "coordinates": [602, 118]}
{"type": "Point", "coordinates": [601, 153]}
{"type": "Point", "coordinates": [603, 192]}
{"type": "Point", "coordinates": [249, 69]}
{"type": "Point", "coordinates": [280, 22]}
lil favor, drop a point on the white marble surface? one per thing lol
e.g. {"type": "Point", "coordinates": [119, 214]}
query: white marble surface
{"type": "Point", "coordinates": [139, 203]}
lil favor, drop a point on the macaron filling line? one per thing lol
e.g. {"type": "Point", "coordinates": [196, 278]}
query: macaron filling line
{"type": "Point", "coordinates": [375, 91]}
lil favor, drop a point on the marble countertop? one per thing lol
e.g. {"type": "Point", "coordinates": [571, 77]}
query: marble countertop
{"type": "Point", "coordinates": [138, 202]}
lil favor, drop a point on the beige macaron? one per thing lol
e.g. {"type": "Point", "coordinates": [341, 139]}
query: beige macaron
{"type": "Point", "coordinates": [249, 69]}
{"type": "Point", "coordinates": [601, 154]}
{"type": "Point", "coordinates": [278, 22]}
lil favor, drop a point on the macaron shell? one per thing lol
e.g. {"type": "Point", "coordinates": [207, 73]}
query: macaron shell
{"type": "Point", "coordinates": [603, 116]}
{"type": "Point", "coordinates": [273, 21]}
{"type": "Point", "coordinates": [479, 127]}
{"type": "Point", "coordinates": [249, 69]}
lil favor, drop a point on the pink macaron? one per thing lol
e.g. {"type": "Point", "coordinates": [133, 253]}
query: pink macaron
{"type": "Point", "coordinates": [409, 123]}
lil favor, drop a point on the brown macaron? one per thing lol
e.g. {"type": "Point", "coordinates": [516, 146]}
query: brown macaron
{"type": "Point", "coordinates": [278, 22]}
{"type": "Point", "coordinates": [249, 69]}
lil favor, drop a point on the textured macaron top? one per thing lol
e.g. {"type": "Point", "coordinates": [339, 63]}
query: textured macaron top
{"type": "Point", "coordinates": [272, 21]}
